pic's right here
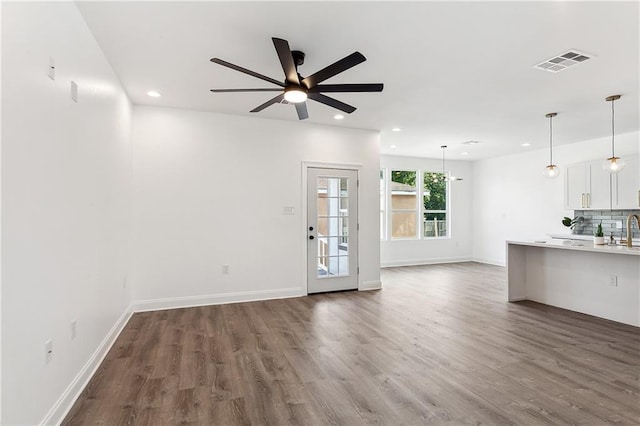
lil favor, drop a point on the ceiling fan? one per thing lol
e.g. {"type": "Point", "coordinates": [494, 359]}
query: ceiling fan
{"type": "Point", "coordinates": [296, 89]}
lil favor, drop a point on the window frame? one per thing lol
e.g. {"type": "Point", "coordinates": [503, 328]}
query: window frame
{"type": "Point", "coordinates": [386, 210]}
{"type": "Point", "coordinates": [447, 211]}
{"type": "Point", "coordinates": [415, 210]}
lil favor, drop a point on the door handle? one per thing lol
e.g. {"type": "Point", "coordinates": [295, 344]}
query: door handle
{"type": "Point", "coordinates": [311, 237]}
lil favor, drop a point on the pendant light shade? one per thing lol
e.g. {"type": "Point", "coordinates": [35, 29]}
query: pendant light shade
{"type": "Point", "coordinates": [444, 173]}
{"type": "Point", "coordinates": [551, 171]}
{"type": "Point", "coordinates": [613, 164]}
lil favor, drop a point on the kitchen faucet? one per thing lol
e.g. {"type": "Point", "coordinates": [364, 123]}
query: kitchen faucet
{"type": "Point", "coordinates": [629, 222]}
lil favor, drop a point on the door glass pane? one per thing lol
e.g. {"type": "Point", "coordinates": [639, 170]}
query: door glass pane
{"type": "Point", "coordinates": [344, 265]}
{"type": "Point", "coordinates": [333, 226]}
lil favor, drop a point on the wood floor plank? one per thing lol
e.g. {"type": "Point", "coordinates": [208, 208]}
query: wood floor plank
{"type": "Point", "coordinates": [438, 345]}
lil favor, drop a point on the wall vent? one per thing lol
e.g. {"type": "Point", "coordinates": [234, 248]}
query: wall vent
{"type": "Point", "coordinates": [563, 61]}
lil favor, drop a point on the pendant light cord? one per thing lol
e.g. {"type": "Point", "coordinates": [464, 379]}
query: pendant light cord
{"type": "Point", "coordinates": [613, 129]}
{"type": "Point", "coordinates": [550, 141]}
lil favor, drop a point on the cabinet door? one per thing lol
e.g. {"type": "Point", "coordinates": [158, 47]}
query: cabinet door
{"type": "Point", "coordinates": [627, 185]}
{"type": "Point", "coordinates": [575, 187]}
{"type": "Point", "coordinates": [599, 186]}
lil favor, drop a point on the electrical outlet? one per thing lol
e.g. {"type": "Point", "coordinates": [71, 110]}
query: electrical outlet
{"type": "Point", "coordinates": [124, 282]}
{"type": "Point", "coordinates": [613, 281]}
{"type": "Point", "coordinates": [225, 269]}
{"type": "Point", "coordinates": [74, 329]}
{"type": "Point", "coordinates": [48, 351]}
{"type": "Point", "coordinates": [618, 224]}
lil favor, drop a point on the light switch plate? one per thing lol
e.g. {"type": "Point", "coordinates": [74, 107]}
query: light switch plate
{"type": "Point", "coordinates": [288, 210]}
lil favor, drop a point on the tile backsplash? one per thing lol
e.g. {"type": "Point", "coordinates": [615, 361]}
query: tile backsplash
{"type": "Point", "coordinates": [610, 220]}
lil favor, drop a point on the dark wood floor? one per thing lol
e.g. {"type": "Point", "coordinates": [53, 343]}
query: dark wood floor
{"type": "Point", "coordinates": [438, 345]}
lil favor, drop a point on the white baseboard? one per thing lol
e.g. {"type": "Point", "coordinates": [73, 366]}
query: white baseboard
{"type": "Point", "coordinates": [370, 285]}
{"type": "Point", "coordinates": [215, 299]}
{"type": "Point", "coordinates": [490, 261]}
{"type": "Point", "coordinates": [62, 406]}
{"type": "Point", "coordinates": [418, 262]}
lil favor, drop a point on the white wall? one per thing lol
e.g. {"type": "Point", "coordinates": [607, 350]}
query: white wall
{"type": "Point", "coordinates": [209, 190]}
{"type": "Point", "coordinates": [458, 246]}
{"type": "Point", "coordinates": [65, 205]}
{"type": "Point", "coordinates": [513, 201]}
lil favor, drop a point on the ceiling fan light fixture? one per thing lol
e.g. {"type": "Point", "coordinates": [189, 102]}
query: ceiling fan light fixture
{"type": "Point", "coordinates": [613, 164]}
{"type": "Point", "coordinates": [295, 95]}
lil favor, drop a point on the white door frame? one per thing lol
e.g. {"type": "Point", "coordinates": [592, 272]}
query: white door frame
{"type": "Point", "coordinates": [304, 248]}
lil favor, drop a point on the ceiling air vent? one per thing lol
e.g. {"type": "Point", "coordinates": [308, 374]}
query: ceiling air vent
{"type": "Point", "coordinates": [470, 143]}
{"type": "Point", "coordinates": [563, 61]}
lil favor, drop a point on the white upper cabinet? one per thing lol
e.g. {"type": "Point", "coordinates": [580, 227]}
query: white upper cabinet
{"type": "Point", "coordinates": [575, 187]}
{"type": "Point", "coordinates": [626, 185]}
{"type": "Point", "coordinates": [599, 197]}
{"type": "Point", "coordinates": [590, 187]}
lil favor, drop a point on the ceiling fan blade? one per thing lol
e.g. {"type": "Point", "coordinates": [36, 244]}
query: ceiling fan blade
{"type": "Point", "coordinates": [246, 71]}
{"type": "Point", "coordinates": [301, 109]}
{"type": "Point", "coordinates": [336, 68]}
{"type": "Point", "coordinates": [286, 60]}
{"type": "Point", "coordinates": [245, 90]}
{"type": "Point", "coordinates": [331, 102]}
{"type": "Point", "coordinates": [329, 88]}
{"type": "Point", "coordinates": [270, 102]}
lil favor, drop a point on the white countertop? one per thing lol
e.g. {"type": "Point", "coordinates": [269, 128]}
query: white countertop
{"type": "Point", "coordinates": [580, 245]}
{"type": "Point", "coordinates": [636, 241]}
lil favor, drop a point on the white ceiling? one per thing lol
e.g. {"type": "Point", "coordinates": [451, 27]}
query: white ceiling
{"type": "Point", "coordinates": [453, 71]}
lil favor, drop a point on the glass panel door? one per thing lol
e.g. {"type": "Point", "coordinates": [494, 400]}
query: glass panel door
{"type": "Point", "coordinates": [331, 221]}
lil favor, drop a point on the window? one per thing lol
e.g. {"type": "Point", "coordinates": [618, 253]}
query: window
{"type": "Point", "coordinates": [434, 203]}
{"type": "Point", "coordinates": [404, 204]}
{"type": "Point", "coordinates": [402, 215]}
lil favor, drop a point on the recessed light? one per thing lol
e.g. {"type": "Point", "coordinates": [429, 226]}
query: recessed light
{"type": "Point", "coordinates": [153, 94]}
{"type": "Point", "coordinates": [526, 144]}
{"type": "Point", "coordinates": [338, 116]}
{"type": "Point", "coordinates": [396, 129]}
{"type": "Point", "coordinates": [464, 153]}
{"type": "Point", "coordinates": [393, 146]}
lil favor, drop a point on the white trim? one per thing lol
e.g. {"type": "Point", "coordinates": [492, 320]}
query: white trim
{"type": "Point", "coordinates": [489, 261]}
{"type": "Point", "coordinates": [62, 406]}
{"type": "Point", "coordinates": [342, 166]}
{"type": "Point", "coordinates": [215, 299]}
{"type": "Point", "coordinates": [418, 262]}
{"type": "Point", "coordinates": [370, 285]}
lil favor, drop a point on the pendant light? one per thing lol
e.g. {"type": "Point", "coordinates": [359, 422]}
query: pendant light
{"type": "Point", "coordinates": [444, 173]}
{"type": "Point", "coordinates": [613, 164]}
{"type": "Point", "coordinates": [551, 171]}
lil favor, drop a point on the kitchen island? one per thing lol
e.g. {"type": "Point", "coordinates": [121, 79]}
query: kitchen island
{"type": "Point", "coordinates": [603, 281]}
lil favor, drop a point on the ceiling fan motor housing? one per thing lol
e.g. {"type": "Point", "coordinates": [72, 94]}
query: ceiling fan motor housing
{"type": "Point", "coordinates": [298, 57]}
